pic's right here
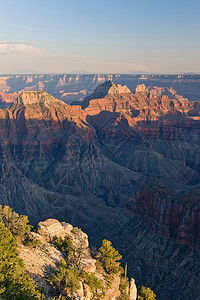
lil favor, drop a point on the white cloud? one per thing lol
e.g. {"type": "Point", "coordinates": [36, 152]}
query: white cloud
{"type": "Point", "coordinates": [18, 47]}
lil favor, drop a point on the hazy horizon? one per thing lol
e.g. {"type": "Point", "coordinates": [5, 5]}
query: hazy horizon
{"type": "Point", "coordinates": [100, 73]}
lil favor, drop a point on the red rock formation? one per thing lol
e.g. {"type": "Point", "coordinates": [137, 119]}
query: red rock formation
{"type": "Point", "coordinates": [169, 213]}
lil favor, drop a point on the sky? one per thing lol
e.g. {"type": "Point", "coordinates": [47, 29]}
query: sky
{"type": "Point", "coordinates": [62, 36]}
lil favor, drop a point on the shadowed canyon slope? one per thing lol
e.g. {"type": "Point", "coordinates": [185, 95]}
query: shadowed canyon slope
{"type": "Point", "coordinates": [92, 164]}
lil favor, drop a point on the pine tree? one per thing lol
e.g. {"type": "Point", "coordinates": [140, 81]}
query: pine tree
{"type": "Point", "coordinates": [110, 257]}
{"type": "Point", "coordinates": [17, 224]}
{"type": "Point", "coordinates": [14, 283]}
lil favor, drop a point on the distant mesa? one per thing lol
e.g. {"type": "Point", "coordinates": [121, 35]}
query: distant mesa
{"type": "Point", "coordinates": [30, 97]}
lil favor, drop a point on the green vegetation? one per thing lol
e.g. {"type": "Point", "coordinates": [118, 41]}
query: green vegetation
{"type": "Point", "coordinates": [14, 283]}
{"type": "Point", "coordinates": [125, 271]}
{"type": "Point", "coordinates": [91, 280]}
{"type": "Point", "coordinates": [32, 242]}
{"type": "Point", "coordinates": [66, 277]}
{"type": "Point", "coordinates": [124, 288]}
{"type": "Point", "coordinates": [145, 293]}
{"type": "Point", "coordinates": [17, 224]}
{"type": "Point", "coordinates": [110, 258]}
{"type": "Point", "coordinates": [64, 245]}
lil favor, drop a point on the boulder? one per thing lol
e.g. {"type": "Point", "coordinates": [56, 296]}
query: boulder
{"type": "Point", "coordinates": [51, 228]}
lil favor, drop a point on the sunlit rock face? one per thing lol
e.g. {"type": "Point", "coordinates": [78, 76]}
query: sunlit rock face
{"type": "Point", "coordinates": [107, 88]}
{"type": "Point", "coordinates": [75, 87]}
{"type": "Point", "coordinates": [141, 88]}
{"type": "Point", "coordinates": [87, 164]}
{"type": "Point", "coordinates": [30, 97]}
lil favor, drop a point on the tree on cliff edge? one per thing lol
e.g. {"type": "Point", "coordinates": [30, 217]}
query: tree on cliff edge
{"type": "Point", "coordinates": [110, 257]}
{"type": "Point", "coordinates": [14, 283]}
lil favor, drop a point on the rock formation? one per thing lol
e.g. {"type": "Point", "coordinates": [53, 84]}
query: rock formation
{"type": "Point", "coordinates": [42, 261]}
{"type": "Point", "coordinates": [169, 213]}
{"type": "Point", "coordinates": [73, 87]}
{"type": "Point", "coordinates": [110, 88]}
{"type": "Point", "coordinates": [141, 88]}
{"type": "Point", "coordinates": [133, 290]}
{"type": "Point", "coordinates": [31, 97]}
{"type": "Point", "coordinates": [89, 165]}
{"type": "Point", "coordinates": [106, 89]}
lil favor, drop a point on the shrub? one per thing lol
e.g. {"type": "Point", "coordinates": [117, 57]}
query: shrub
{"type": "Point", "coordinates": [65, 245]}
{"type": "Point", "coordinates": [72, 278]}
{"type": "Point", "coordinates": [123, 287]}
{"type": "Point", "coordinates": [145, 293]}
{"type": "Point", "coordinates": [32, 242]}
{"type": "Point", "coordinates": [58, 277]}
{"type": "Point", "coordinates": [91, 280]}
{"type": "Point", "coordinates": [65, 277]}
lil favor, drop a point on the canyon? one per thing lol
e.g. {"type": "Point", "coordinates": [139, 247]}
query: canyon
{"type": "Point", "coordinates": [123, 163]}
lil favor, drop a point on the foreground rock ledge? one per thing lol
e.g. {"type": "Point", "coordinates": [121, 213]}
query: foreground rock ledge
{"type": "Point", "coordinates": [44, 260]}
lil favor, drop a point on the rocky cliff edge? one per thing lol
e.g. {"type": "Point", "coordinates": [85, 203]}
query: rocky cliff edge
{"type": "Point", "coordinates": [42, 261]}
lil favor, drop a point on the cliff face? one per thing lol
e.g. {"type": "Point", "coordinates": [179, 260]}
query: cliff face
{"type": "Point", "coordinates": [168, 213]}
{"type": "Point", "coordinates": [105, 150]}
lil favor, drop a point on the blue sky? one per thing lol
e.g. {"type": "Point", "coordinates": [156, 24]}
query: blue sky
{"type": "Point", "coordinates": [100, 36]}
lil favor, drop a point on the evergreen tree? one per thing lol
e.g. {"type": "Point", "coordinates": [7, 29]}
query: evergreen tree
{"type": "Point", "coordinates": [14, 283]}
{"type": "Point", "coordinates": [17, 224]}
{"type": "Point", "coordinates": [110, 257]}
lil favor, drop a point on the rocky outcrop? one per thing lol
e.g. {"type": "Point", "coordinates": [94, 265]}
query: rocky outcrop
{"type": "Point", "coordinates": [109, 88]}
{"type": "Point", "coordinates": [113, 292]}
{"type": "Point", "coordinates": [42, 261]}
{"type": "Point", "coordinates": [51, 228]}
{"type": "Point", "coordinates": [132, 290]}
